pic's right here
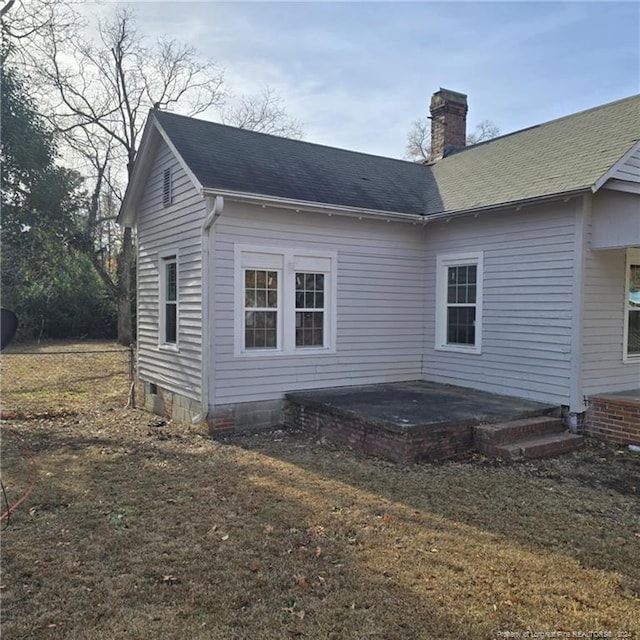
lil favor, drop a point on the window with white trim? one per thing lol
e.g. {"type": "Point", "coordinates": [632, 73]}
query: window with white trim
{"type": "Point", "coordinates": [459, 302]}
{"type": "Point", "coordinates": [287, 301]}
{"type": "Point", "coordinates": [632, 310]}
{"type": "Point", "coordinates": [168, 311]}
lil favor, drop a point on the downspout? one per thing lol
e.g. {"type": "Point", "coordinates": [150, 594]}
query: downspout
{"type": "Point", "coordinates": [215, 205]}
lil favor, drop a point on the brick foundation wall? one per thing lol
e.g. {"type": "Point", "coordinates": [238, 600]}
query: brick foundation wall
{"type": "Point", "coordinates": [400, 445]}
{"type": "Point", "coordinates": [614, 418]}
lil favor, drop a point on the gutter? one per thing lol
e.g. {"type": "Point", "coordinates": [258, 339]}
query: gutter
{"type": "Point", "coordinates": [215, 206]}
{"type": "Point", "coordinates": [319, 207]}
{"type": "Point", "coordinates": [377, 214]}
{"type": "Point", "coordinates": [514, 204]}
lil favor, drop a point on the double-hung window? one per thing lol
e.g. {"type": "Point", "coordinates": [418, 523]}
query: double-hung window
{"type": "Point", "coordinates": [459, 302]}
{"type": "Point", "coordinates": [632, 310]}
{"type": "Point", "coordinates": [168, 325]}
{"type": "Point", "coordinates": [286, 301]}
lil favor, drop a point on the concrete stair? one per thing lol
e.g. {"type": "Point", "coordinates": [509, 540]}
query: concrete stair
{"type": "Point", "coordinates": [539, 437]}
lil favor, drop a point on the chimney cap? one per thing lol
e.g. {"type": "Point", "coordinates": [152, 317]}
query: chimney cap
{"type": "Point", "coordinates": [447, 95]}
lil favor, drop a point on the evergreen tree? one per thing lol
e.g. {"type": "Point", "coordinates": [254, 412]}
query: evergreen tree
{"type": "Point", "coordinates": [45, 279]}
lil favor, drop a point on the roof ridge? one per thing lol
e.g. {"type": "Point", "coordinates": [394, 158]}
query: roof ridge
{"type": "Point", "coordinates": [273, 135]}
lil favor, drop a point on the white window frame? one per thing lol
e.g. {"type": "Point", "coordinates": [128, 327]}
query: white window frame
{"type": "Point", "coordinates": [443, 262]}
{"type": "Point", "coordinates": [166, 257]}
{"type": "Point", "coordinates": [635, 261]}
{"type": "Point", "coordinates": [286, 262]}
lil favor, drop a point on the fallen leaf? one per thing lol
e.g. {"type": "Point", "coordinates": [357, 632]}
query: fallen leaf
{"type": "Point", "coordinates": [300, 580]}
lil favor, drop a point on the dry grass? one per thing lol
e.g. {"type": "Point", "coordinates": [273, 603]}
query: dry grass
{"type": "Point", "coordinates": [140, 531]}
{"type": "Point", "coordinates": [60, 377]}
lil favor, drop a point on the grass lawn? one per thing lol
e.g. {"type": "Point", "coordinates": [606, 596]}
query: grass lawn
{"type": "Point", "coordinates": [141, 530]}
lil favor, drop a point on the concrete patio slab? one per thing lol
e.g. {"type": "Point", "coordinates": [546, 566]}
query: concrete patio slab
{"type": "Point", "coordinates": [401, 406]}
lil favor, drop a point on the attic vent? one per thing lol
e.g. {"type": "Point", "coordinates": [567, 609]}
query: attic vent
{"type": "Point", "coordinates": [167, 188]}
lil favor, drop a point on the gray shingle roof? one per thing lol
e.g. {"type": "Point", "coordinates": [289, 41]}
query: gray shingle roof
{"type": "Point", "coordinates": [223, 157]}
{"type": "Point", "coordinates": [564, 155]}
{"type": "Point", "coordinates": [568, 154]}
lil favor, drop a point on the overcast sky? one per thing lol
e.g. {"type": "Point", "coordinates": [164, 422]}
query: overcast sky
{"type": "Point", "coordinates": [358, 74]}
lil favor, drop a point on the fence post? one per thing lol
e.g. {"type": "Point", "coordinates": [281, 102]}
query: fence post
{"type": "Point", "coordinates": [132, 375]}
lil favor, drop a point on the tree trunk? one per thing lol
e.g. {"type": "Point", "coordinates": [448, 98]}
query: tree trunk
{"type": "Point", "coordinates": [125, 324]}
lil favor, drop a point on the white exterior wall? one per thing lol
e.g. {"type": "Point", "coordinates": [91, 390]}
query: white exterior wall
{"type": "Point", "coordinates": [615, 220]}
{"type": "Point", "coordinates": [527, 302]}
{"type": "Point", "coordinates": [380, 303]}
{"type": "Point", "coordinates": [176, 227]}
{"type": "Point", "coordinates": [603, 368]}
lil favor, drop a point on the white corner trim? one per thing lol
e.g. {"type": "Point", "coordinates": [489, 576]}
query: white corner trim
{"type": "Point", "coordinates": [582, 219]}
{"type": "Point", "coordinates": [443, 261]}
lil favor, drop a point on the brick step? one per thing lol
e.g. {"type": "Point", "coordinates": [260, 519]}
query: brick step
{"type": "Point", "coordinates": [488, 436]}
{"type": "Point", "coordinates": [539, 447]}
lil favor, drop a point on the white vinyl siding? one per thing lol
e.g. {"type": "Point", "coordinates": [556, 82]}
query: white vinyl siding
{"type": "Point", "coordinates": [526, 302]}
{"type": "Point", "coordinates": [615, 220]}
{"type": "Point", "coordinates": [379, 305]}
{"type": "Point", "coordinates": [174, 228]}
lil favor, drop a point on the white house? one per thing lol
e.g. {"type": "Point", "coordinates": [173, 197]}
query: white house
{"type": "Point", "coordinates": [267, 265]}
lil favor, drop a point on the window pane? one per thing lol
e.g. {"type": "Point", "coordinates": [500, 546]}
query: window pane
{"type": "Point", "coordinates": [172, 281]}
{"type": "Point", "coordinates": [249, 298]}
{"type": "Point", "coordinates": [261, 298]}
{"type": "Point", "coordinates": [309, 291]}
{"type": "Point", "coordinates": [272, 299]}
{"type": "Point", "coordinates": [170, 323]}
{"type": "Point", "coordinates": [633, 341]}
{"type": "Point", "coordinates": [261, 279]}
{"type": "Point", "coordinates": [309, 329]}
{"type": "Point", "coordinates": [634, 286]}
{"type": "Point", "coordinates": [461, 325]}
{"type": "Point", "coordinates": [260, 329]}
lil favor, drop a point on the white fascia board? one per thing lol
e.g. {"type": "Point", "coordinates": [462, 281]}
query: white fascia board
{"type": "Point", "coordinates": [319, 207]}
{"type": "Point", "coordinates": [141, 166]}
{"type": "Point", "coordinates": [606, 176]}
{"type": "Point", "coordinates": [183, 164]}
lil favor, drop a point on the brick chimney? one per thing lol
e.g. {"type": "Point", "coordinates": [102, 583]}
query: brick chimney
{"type": "Point", "coordinates": [448, 123]}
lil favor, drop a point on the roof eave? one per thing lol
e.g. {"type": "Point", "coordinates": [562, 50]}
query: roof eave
{"type": "Point", "coordinates": [513, 204]}
{"type": "Point", "coordinates": [320, 207]}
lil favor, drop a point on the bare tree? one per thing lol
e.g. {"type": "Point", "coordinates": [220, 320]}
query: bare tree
{"type": "Point", "coordinates": [265, 113]}
{"type": "Point", "coordinates": [100, 94]}
{"type": "Point", "coordinates": [98, 91]}
{"type": "Point", "coordinates": [485, 130]}
{"type": "Point", "coordinates": [418, 148]}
